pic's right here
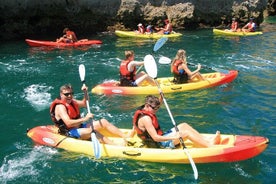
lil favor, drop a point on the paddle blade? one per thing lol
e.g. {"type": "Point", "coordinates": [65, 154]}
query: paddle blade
{"type": "Point", "coordinates": [160, 42]}
{"type": "Point", "coordinates": [164, 60]}
{"type": "Point", "coordinates": [82, 72]}
{"type": "Point", "coordinates": [150, 66]}
{"type": "Point", "coordinates": [96, 145]}
{"type": "Point", "coordinates": [192, 163]}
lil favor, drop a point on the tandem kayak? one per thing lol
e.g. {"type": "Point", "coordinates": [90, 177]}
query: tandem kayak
{"type": "Point", "coordinates": [40, 43]}
{"type": "Point", "coordinates": [230, 33]}
{"type": "Point", "coordinates": [167, 85]}
{"type": "Point", "coordinates": [232, 148]}
{"type": "Point", "coordinates": [133, 34]}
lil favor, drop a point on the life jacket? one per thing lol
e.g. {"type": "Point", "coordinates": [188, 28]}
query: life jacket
{"type": "Point", "coordinates": [168, 28]}
{"type": "Point", "coordinates": [234, 26]}
{"type": "Point", "coordinates": [72, 110]}
{"type": "Point", "coordinates": [141, 29]}
{"type": "Point", "coordinates": [145, 135]}
{"type": "Point", "coordinates": [179, 78]}
{"type": "Point", "coordinates": [71, 33]}
{"type": "Point", "coordinates": [149, 29]}
{"type": "Point", "coordinates": [175, 66]}
{"type": "Point", "coordinates": [126, 77]}
{"type": "Point", "coordinates": [251, 26]}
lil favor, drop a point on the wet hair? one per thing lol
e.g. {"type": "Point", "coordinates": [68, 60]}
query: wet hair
{"type": "Point", "coordinates": [65, 87]}
{"type": "Point", "coordinates": [152, 100]}
{"type": "Point", "coordinates": [129, 53]}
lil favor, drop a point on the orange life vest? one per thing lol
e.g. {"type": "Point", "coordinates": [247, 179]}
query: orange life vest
{"type": "Point", "coordinates": [71, 33]}
{"type": "Point", "coordinates": [175, 66]}
{"type": "Point", "coordinates": [179, 78]}
{"type": "Point", "coordinates": [125, 75]}
{"type": "Point", "coordinates": [72, 110]}
{"type": "Point", "coordinates": [145, 135]}
{"type": "Point", "coordinates": [234, 25]}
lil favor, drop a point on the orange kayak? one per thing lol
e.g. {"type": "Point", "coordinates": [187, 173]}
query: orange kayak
{"type": "Point", "coordinates": [40, 43]}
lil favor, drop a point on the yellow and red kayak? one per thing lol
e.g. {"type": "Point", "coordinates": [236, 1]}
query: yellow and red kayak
{"type": "Point", "coordinates": [133, 34]}
{"type": "Point", "coordinates": [230, 33]}
{"type": "Point", "coordinates": [167, 85]}
{"type": "Point", "coordinates": [232, 148]}
{"type": "Point", "coordinates": [41, 43]}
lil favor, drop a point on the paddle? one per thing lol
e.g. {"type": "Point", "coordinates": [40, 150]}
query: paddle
{"type": "Point", "coordinates": [151, 69]}
{"type": "Point", "coordinates": [159, 43]}
{"type": "Point", "coordinates": [166, 60]}
{"type": "Point", "coordinates": [94, 140]}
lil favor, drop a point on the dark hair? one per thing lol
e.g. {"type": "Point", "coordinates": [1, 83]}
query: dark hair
{"type": "Point", "coordinates": [152, 100]}
{"type": "Point", "coordinates": [65, 30]}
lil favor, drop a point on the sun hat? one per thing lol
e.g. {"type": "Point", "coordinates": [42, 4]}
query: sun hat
{"type": "Point", "coordinates": [139, 24]}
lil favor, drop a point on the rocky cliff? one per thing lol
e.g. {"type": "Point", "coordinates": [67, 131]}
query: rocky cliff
{"type": "Point", "coordinates": [29, 18]}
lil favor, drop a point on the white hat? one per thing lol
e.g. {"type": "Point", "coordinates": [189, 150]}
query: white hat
{"type": "Point", "coordinates": [139, 24]}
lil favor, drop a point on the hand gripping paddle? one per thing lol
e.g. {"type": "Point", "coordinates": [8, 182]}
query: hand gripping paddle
{"type": "Point", "coordinates": [151, 69]}
{"type": "Point", "coordinates": [94, 140]}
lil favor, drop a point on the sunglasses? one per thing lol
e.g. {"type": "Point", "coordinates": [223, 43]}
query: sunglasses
{"type": "Point", "coordinates": [67, 94]}
{"type": "Point", "coordinates": [154, 108]}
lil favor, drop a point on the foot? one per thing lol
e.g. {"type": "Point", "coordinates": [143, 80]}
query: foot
{"type": "Point", "coordinates": [217, 138]}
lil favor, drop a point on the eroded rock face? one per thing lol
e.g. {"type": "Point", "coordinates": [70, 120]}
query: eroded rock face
{"type": "Point", "coordinates": [21, 19]}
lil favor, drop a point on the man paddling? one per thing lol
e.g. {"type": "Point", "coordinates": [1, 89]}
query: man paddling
{"type": "Point", "coordinates": [65, 113]}
{"type": "Point", "coordinates": [148, 129]}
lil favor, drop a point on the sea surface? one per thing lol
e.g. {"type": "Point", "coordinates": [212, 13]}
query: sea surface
{"type": "Point", "coordinates": [31, 77]}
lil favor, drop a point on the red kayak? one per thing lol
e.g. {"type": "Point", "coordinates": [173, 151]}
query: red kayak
{"type": "Point", "coordinates": [84, 42]}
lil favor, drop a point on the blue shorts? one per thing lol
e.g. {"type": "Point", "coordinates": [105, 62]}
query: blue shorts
{"type": "Point", "coordinates": [168, 144]}
{"type": "Point", "coordinates": [167, 32]}
{"type": "Point", "coordinates": [75, 131]}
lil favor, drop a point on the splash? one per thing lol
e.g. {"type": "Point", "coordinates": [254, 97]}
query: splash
{"type": "Point", "coordinates": [38, 96]}
{"type": "Point", "coordinates": [25, 165]}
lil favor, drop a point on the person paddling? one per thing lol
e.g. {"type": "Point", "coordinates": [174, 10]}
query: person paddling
{"type": "Point", "coordinates": [128, 76]}
{"type": "Point", "coordinates": [180, 70]}
{"type": "Point", "coordinates": [68, 37]}
{"type": "Point", "coordinates": [65, 113]}
{"type": "Point", "coordinates": [146, 125]}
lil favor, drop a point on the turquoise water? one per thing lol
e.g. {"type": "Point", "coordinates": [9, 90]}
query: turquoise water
{"type": "Point", "coordinates": [31, 77]}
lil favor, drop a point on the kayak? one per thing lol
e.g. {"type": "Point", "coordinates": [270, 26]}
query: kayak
{"type": "Point", "coordinates": [133, 34]}
{"type": "Point", "coordinates": [167, 85]}
{"type": "Point", "coordinates": [232, 148]}
{"type": "Point", "coordinates": [230, 33]}
{"type": "Point", "coordinates": [40, 43]}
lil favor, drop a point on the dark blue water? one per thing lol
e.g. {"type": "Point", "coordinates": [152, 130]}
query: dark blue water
{"type": "Point", "coordinates": [31, 77]}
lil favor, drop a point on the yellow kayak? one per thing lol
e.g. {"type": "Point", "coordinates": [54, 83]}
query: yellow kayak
{"type": "Point", "coordinates": [133, 34]}
{"type": "Point", "coordinates": [232, 148]}
{"type": "Point", "coordinates": [167, 85]}
{"type": "Point", "coordinates": [230, 33]}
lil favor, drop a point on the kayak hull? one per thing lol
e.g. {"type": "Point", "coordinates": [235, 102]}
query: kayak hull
{"type": "Point", "coordinates": [232, 148]}
{"type": "Point", "coordinates": [133, 34]}
{"type": "Point", "coordinates": [166, 84]}
{"type": "Point", "coordinates": [230, 33]}
{"type": "Point", "coordinates": [40, 43]}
